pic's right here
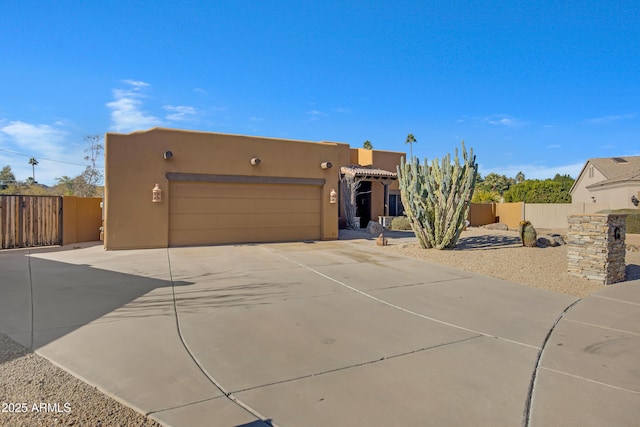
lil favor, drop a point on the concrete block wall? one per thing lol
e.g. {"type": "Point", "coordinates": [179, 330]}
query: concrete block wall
{"type": "Point", "coordinates": [596, 247]}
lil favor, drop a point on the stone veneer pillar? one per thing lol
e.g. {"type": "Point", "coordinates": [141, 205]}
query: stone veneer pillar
{"type": "Point", "coordinates": [596, 247]}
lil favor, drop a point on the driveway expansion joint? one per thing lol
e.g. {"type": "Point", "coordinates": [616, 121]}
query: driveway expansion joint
{"type": "Point", "coordinates": [590, 380]}
{"type": "Point", "coordinates": [171, 408]}
{"type": "Point", "coordinates": [31, 313]}
{"type": "Point", "coordinates": [199, 364]}
{"type": "Point", "coordinates": [615, 299]}
{"type": "Point", "coordinates": [622, 331]}
{"type": "Point", "coordinates": [397, 307]}
{"type": "Point", "coordinates": [526, 418]}
{"type": "Point", "coordinates": [357, 365]}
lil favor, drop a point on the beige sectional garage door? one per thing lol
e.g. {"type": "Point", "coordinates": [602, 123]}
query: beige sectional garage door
{"type": "Point", "coordinates": [204, 213]}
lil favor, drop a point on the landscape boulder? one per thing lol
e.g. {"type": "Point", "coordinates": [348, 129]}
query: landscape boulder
{"type": "Point", "coordinates": [496, 226]}
{"type": "Point", "coordinates": [550, 240]}
{"type": "Point", "coordinates": [374, 228]}
{"type": "Point", "coordinates": [381, 240]}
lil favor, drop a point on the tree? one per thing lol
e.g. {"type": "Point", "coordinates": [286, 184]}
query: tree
{"type": "Point", "coordinates": [436, 197]}
{"type": "Point", "coordinates": [65, 185]}
{"type": "Point", "coordinates": [367, 145]}
{"type": "Point", "coordinates": [519, 177]}
{"type": "Point", "coordinates": [495, 182]}
{"type": "Point", "coordinates": [6, 177]}
{"type": "Point", "coordinates": [349, 189]}
{"type": "Point", "coordinates": [92, 175]}
{"type": "Point", "coordinates": [411, 140]}
{"type": "Point", "coordinates": [483, 196]}
{"type": "Point", "coordinates": [33, 162]}
{"type": "Point", "coordinates": [563, 178]}
{"type": "Point", "coordinates": [537, 191]}
{"type": "Point", "coordinates": [87, 183]}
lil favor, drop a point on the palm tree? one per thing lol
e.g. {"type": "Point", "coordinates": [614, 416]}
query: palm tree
{"type": "Point", "coordinates": [410, 140]}
{"type": "Point", "coordinates": [367, 145]}
{"type": "Point", "coordinates": [33, 162]}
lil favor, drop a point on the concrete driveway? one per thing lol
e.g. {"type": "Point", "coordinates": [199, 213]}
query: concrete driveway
{"type": "Point", "coordinates": [323, 333]}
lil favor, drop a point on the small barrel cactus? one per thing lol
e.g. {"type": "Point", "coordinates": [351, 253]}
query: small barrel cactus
{"type": "Point", "coordinates": [528, 234]}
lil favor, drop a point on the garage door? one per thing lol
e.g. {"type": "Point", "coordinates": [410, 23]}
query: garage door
{"type": "Point", "coordinates": [202, 213]}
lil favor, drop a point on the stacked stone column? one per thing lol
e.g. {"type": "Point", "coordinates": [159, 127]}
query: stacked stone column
{"type": "Point", "coordinates": [596, 247]}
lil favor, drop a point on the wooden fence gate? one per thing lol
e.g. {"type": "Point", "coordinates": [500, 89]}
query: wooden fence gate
{"type": "Point", "coordinates": [27, 221]}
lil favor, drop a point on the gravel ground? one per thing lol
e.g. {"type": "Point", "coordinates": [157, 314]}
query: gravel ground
{"type": "Point", "coordinates": [26, 378]}
{"type": "Point", "coordinates": [500, 254]}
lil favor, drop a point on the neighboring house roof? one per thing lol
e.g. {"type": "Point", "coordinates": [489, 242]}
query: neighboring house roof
{"type": "Point", "coordinates": [367, 173]}
{"type": "Point", "coordinates": [617, 170]}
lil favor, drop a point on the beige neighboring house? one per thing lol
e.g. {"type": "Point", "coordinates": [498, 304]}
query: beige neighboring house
{"type": "Point", "coordinates": [608, 182]}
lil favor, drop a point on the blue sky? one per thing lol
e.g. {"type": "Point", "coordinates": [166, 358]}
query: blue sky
{"type": "Point", "coordinates": [533, 86]}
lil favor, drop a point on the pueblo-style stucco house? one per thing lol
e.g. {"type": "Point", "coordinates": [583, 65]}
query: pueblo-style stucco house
{"type": "Point", "coordinates": [216, 188]}
{"type": "Point", "coordinates": [609, 181]}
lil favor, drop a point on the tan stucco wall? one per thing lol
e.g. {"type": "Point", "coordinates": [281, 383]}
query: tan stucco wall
{"type": "Point", "coordinates": [482, 214]}
{"type": "Point", "coordinates": [616, 197]}
{"type": "Point", "coordinates": [510, 213]}
{"type": "Point", "coordinates": [134, 163]}
{"type": "Point", "coordinates": [386, 160]}
{"type": "Point", "coordinates": [580, 194]}
{"type": "Point", "coordinates": [362, 157]}
{"type": "Point", "coordinates": [389, 161]}
{"type": "Point", "coordinates": [81, 219]}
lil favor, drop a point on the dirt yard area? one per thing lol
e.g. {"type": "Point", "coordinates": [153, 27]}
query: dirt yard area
{"type": "Point", "coordinates": [500, 254]}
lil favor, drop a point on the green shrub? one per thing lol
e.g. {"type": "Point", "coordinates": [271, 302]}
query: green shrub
{"type": "Point", "coordinates": [633, 218]}
{"type": "Point", "coordinates": [400, 223]}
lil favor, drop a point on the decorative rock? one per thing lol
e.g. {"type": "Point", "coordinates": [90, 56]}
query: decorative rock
{"type": "Point", "coordinates": [496, 226]}
{"type": "Point", "coordinates": [381, 240]}
{"type": "Point", "coordinates": [550, 240]}
{"type": "Point", "coordinates": [545, 242]}
{"type": "Point", "coordinates": [374, 228]}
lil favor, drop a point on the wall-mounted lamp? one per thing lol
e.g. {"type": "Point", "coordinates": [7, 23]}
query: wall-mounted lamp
{"type": "Point", "coordinates": [593, 199]}
{"type": "Point", "coordinates": [156, 194]}
{"type": "Point", "coordinates": [634, 200]}
{"type": "Point", "coordinates": [255, 161]}
{"type": "Point", "coordinates": [326, 165]}
{"type": "Point", "coordinates": [167, 155]}
{"type": "Point", "coordinates": [333, 196]}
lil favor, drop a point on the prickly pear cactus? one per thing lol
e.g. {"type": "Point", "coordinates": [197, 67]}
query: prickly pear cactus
{"type": "Point", "coordinates": [528, 234]}
{"type": "Point", "coordinates": [436, 197]}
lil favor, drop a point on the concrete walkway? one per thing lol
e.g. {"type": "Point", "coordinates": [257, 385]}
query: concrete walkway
{"type": "Point", "coordinates": [324, 333]}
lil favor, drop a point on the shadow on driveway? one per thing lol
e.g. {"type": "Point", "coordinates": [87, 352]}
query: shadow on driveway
{"type": "Point", "coordinates": [44, 299]}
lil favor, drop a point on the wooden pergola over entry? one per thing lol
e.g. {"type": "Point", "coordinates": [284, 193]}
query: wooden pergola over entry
{"type": "Point", "coordinates": [382, 176]}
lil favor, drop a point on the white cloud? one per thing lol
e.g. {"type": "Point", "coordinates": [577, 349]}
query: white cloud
{"type": "Point", "coordinates": [342, 110]}
{"type": "Point", "coordinates": [553, 146]}
{"type": "Point", "coordinates": [126, 109]}
{"type": "Point", "coordinates": [47, 143]}
{"type": "Point", "coordinates": [501, 120]}
{"type": "Point", "coordinates": [180, 113]}
{"type": "Point", "coordinates": [33, 137]}
{"type": "Point", "coordinates": [137, 84]}
{"type": "Point", "coordinates": [610, 119]}
{"type": "Point", "coordinates": [315, 115]}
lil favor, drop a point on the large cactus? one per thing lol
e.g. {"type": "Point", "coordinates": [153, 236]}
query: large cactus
{"type": "Point", "coordinates": [437, 197]}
